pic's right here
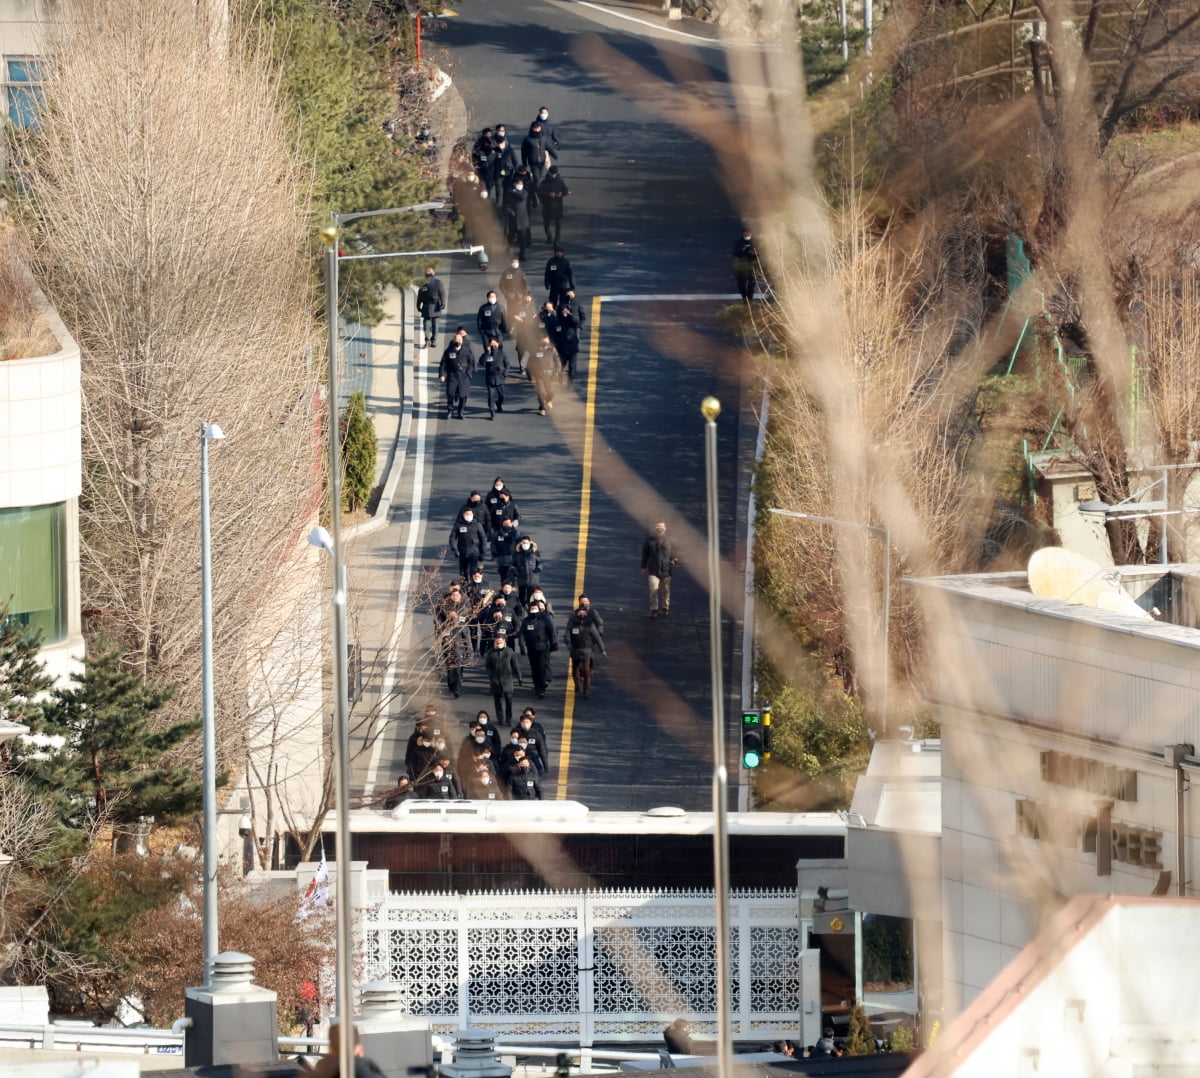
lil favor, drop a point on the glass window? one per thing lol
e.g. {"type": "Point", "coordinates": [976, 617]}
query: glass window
{"type": "Point", "coordinates": [33, 568]}
{"type": "Point", "coordinates": [22, 78]}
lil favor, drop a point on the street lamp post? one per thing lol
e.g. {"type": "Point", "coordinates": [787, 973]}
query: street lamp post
{"type": "Point", "coordinates": [710, 408]}
{"type": "Point", "coordinates": [209, 432]}
{"type": "Point", "coordinates": [886, 599]}
{"type": "Point", "coordinates": [341, 710]}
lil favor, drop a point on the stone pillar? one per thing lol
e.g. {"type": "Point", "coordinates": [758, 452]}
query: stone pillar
{"type": "Point", "coordinates": [400, 1044]}
{"type": "Point", "coordinates": [232, 1019]}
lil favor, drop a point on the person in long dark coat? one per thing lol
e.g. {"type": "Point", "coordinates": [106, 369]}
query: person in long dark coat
{"type": "Point", "coordinates": [516, 209]}
{"type": "Point", "coordinates": [455, 372]}
{"type": "Point", "coordinates": [552, 190]}
{"type": "Point", "coordinates": [502, 671]}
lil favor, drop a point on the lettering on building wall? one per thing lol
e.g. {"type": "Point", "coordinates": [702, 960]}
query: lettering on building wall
{"type": "Point", "coordinates": [1079, 773]}
{"type": "Point", "coordinates": [1126, 844]}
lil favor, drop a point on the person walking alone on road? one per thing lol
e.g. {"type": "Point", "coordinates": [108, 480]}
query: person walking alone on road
{"type": "Point", "coordinates": [583, 639]}
{"type": "Point", "coordinates": [745, 266]}
{"type": "Point", "coordinates": [502, 671]}
{"type": "Point", "coordinates": [431, 299]}
{"type": "Point", "coordinates": [455, 372]}
{"type": "Point", "coordinates": [658, 559]}
{"type": "Point", "coordinates": [552, 190]}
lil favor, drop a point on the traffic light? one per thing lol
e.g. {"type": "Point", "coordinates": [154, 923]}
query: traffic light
{"type": "Point", "coordinates": [754, 746]}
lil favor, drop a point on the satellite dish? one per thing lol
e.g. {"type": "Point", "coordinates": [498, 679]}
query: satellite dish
{"type": "Point", "coordinates": [1056, 573]}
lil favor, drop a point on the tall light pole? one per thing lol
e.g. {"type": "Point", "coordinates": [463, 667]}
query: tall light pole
{"type": "Point", "coordinates": [209, 432]}
{"type": "Point", "coordinates": [710, 408]}
{"type": "Point", "coordinates": [341, 717]}
{"type": "Point", "coordinates": [885, 601]}
{"type": "Point", "coordinates": [331, 540]}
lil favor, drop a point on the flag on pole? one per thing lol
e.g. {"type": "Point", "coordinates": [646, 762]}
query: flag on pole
{"type": "Point", "coordinates": [316, 898]}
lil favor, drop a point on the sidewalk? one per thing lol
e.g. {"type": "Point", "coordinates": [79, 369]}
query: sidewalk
{"type": "Point", "coordinates": [392, 345]}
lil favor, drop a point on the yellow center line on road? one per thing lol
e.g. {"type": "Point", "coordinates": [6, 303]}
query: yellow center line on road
{"type": "Point", "coordinates": [585, 511]}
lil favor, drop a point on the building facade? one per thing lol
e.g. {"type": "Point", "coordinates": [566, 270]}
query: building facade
{"type": "Point", "coordinates": [1068, 745]}
{"type": "Point", "coordinates": [40, 483]}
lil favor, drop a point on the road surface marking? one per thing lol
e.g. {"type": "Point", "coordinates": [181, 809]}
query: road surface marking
{"type": "Point", "coordinates": [585, 493]}
{"type": "Point", "coordinates": [416, 514]}
{"type": "Point", "coordinates": [585, 511]}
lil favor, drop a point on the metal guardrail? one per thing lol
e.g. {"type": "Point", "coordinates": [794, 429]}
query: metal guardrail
{"type": "Point", "coordinates": [141, 1041]}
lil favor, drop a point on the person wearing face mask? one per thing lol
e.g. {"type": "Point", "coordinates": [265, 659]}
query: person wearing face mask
{"type": "Point", "coordinates": [489, 319]}
{"type": "Point", "coordinates": [437, 785]}
{"type": "Point", "coordinates": [505, 509]}
{"type": "Point", "coordinates": [523, 320]}
{"type": "Point", "coordinates": [593, 615]}
{"type": "Point", "coordinates": [479, 601]}
{"type": "Point", "coordinates": [524, 783]}
{"type": "Point", "coordinates": [551, 191]}
{"type": "Point", "coordinates": [535, 152]}
{"type": "Point", "coordinates": [451, 624]}
{"type": "Point", "coordinates": [538, 595]}
{"type": "Point", "coordinates": [491, 731]}
{"type": "Point", "coordinates": [431, 299]}
{"type": "Point", "coordinates": [549, 134]}
{"type": "Point", "coordinates": [455, 371]}
{"type": "Point", "coordinates": [508, 605]}
{"type": "Point", "coordinates": [544, 370]}
{"type": "Point", "coordinates": [468, 543]}
{"type": "Point", "coordinates": [474, 502]}
{"type": "Point", "coordinates": [424, 755]}
{"type": "Point", "coordinates": [491, 500]}
{"type": "Point", "coordinates": [583, 639]}
{"type": "Point", "coordinates": [516, 214]}
{"type": "Point", "coordinates": [501, 167]}
{"type": "Point", "coordinates": [538, 632]}
{"type": "Point", "coordinates": [502, 671]}
{"type": "Point", "coordinates": [504, 547]}
{"type": "Point", "coordinates": [512, 286]}
{"type": "Point", "coordinates": [494, 363]}
{"type": "Point", "coordinates": [482, 784]}
{"type": "Point", "coordinates": [526, 568]}
{"type": "Point", "coordinates": [535, 735]}
{"type": "Point", "coordinates": [510, 756]}
{"type": "Point", "coordinates": [421, 732]}
{"type": "Point", "coordinates": [468, 752]}
{"type": "Point", "coordinates": [558, 278]}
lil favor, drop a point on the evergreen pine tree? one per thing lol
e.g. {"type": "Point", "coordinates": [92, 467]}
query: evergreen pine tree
{"type": "Point", "coordinates": [109, 763]}
{"type": "Point", "coordinates": [359, 447]}
{"type": "Point", "coordinates": [22, 676]}
{"type": "Point", "coordinates": [861, 1041]}
{"type": "Point", "coordinates": [338, 81]}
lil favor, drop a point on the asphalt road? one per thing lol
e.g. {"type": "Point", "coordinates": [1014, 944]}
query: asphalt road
{"type": "Point", "coordinates": [647, 217]}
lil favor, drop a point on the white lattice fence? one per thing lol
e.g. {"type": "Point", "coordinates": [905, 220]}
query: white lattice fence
{"type": "Point", "coordinates": [611, 966]}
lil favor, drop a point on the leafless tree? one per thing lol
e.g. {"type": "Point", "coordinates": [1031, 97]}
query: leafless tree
{"type": "Point", "coordinates": [169, 229]}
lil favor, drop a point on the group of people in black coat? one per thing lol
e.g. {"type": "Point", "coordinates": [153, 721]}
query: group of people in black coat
{"type": "Point", "coordinates": [486, 766]}
{"type": "Point", "coordinates": [517, 183]}
{"type": "Point", "coordinates": [479, 625]}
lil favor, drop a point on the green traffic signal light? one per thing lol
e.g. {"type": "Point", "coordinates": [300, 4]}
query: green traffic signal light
{"type": "Point", "coordinates": [753, 742]}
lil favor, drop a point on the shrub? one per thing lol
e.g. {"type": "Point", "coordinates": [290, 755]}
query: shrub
{"type": "Point", "coordinates": [359, 447]}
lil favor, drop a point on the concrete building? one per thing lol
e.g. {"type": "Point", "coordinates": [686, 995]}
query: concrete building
{"type": "Point", "coordinates": [40, 483]}
{"type": "Point", "coordinates": [1068, 739]}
